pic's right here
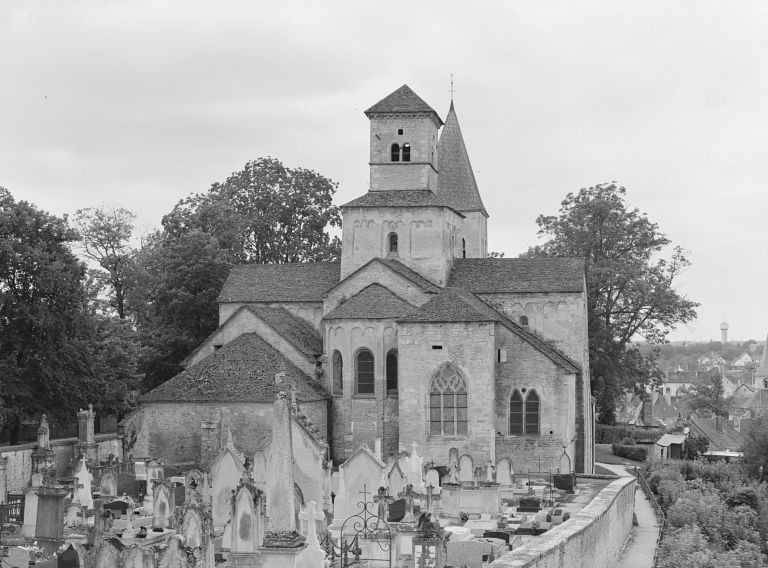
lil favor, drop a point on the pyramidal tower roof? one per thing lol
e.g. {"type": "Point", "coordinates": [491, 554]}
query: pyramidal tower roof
{"type": "Point", "coordinates": [456, 183]}
{"type": "Point", "coordinates": [762, 372]}
{"type": "Point", "coordinates": [403, 101]}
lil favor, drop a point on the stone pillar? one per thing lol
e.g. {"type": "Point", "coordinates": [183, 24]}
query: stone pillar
{"type": "Point", "coordinates": [86, 434]}
{"type": "Point", "coordinates": [3, 480]}
{"type": "Point", "coordinates": [281, 533]}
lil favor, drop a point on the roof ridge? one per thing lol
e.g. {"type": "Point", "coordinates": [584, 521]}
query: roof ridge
{"type": "Point", "coordinates": [254, 309]}
{"type": "Point", "coordinates": [403, 100]}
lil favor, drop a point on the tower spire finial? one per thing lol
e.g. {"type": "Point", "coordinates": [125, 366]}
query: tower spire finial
{"type": "Point", "coordinates": [452, 89]}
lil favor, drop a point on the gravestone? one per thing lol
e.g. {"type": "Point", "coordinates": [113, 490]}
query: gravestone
{"type": "Point", "coordinates": [163, 505]}
{"type": "Point", "coordinates": [466, 469]}
{"type": "Point", "coordinates": [224, 473]}
{"type": "Point", "coordinates": [196, 526]}
{"type": "Point", "coordinates": [503, 472]}
{"type": "Point", "coordinates": [529, 505]}
{"type": "Point", "coordinates": [108, 486]}
{"type": "Point", "coordinates": [432, 478]}
{"type": "Point", "coordinates": [468, 553]}
{"type": "Point", "coordinates": [69, 558]}
{"type": "Point", "coordinates": [313, 555]}
{"type": "Point", "coordinates": [175, 555]}
{"type": "Point", "coordinates": [415, 472]}
{"type": "Point", "coordinates": [362, 471]}
{"type": "Point", "coordinates": [396, 480]}
{"type": "Point", "coordinates": [82, 490]}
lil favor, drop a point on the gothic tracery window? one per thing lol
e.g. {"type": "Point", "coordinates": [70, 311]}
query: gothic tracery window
{"type": "Point", "coordinates": [448, 404]}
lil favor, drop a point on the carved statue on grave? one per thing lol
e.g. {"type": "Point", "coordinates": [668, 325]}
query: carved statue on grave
{"type": "Point", "coordinates": [490, 471]}
{"type": "Point", "coordinates": [454, 472]}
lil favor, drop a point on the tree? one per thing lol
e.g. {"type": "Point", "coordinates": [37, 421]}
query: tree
{"type": "Point", "coordinates": [707, 395]}
{"type": "Point", "coordinates": [266, 213]}
{"type": "Point", "coordinates": [105, 237]}
{"type": "Point", "coordinates": [756, 449]}
{"type": "Point", "coordinates": [629, 284]}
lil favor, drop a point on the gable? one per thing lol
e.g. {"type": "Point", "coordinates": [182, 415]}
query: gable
{"type": "Point", "coordinates": [397, 278]}
{"type": "Point", "coordinates": [373, 302]}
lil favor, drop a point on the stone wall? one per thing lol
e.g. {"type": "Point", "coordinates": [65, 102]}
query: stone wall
{"type": "Point", "coordinates": [593, 537]}
{"type": "Point", "coordinates": [172, 431]}
{"type": "Point", "coordinates": [19, 468]}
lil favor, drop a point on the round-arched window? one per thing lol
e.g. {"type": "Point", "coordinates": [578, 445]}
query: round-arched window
{"type": "Point", "coordinates": [364, 373]}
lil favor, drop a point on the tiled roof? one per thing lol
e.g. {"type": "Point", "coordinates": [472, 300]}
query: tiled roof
{"type": "Point", "coordinates": [294, 282]}
{"type": "Point", "coordinates": [372, 302]}
{"type": "Point", "coordinates": [402, 101]}
{"type": "Point", "coordinates": [399, 198]}
{"type": "Point", "coordinates": [295, 330]}
{"type": "Point", "coordinates": [243, 370]}
{"type": "Point", "coordinates": [457, 305]}
{"type": "Point", "coordinates": [728, 439]}
{"type": "Point", "coordinates": [410, 274]}
{"type": "Point", "coordinates": [518, 275]}
{"type": "Point", "coordinates": [759, 399]}
{"type": "Point", "coordinates": [456, 181]}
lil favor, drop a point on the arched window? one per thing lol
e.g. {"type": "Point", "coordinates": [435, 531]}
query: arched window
{"type": "Point", "coordinates": [395, 153]}
{"type": "Point", "coordinates": [338, 373]}
{"type": "Point", "coordinates": [532, 413]}
{"type": "Point", "coordinates": [448, 404]}
{"type": "Point", "coordinates": [392, 242]}
{"type": "Point", "coordinates": [364, 372]}
{"type": "Point", "coordinates": [406, 153]}
{"type": "Point", "coordinates": [463, 248]}
{"type": "Point", "coordinates": [524, 321]}
{"type": "Point", "coordinates": [524, 415]}
{"type": "Point", "coordinates": [392, 372]}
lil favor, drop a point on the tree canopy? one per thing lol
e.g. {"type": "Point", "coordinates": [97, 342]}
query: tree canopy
{"type": "Point", "coordinates": [629, 283]}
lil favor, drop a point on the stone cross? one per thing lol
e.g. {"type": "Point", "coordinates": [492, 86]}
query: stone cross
{"type": "Point", "coordinates": [383, 501]}
{"type": "Point", "coordinates": [311, 515]}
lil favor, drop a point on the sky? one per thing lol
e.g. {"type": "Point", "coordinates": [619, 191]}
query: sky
{"type": "Point", "coordinates": [139, 104]}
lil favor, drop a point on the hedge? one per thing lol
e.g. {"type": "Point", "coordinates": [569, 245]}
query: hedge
{"type": "Point", "coordinates": [637, 453]}
{"type": "Point", "coordinates": [605, 434]}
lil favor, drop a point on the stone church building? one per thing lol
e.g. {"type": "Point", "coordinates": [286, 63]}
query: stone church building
{"type": "Point", "coordinates": [416, 335]}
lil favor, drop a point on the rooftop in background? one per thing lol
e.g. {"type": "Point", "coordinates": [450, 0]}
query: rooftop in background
{"type": "Point", "coordinates": [518, 275]}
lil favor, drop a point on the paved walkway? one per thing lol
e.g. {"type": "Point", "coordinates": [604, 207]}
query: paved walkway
{"type": "Point", "coordinates": [641, 545]}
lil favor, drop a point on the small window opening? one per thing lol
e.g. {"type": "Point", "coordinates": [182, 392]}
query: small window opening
{"type": "Point", "coordinates": [392, 373]}
{"type": "Point", "coordinates": [392, 242]}
{"type": "Point", "coordinates": [524, 321]}
{"type": "Point", "coordinates": [463, 248]}
{"type": "Point", "coordinates": [395, 153]}
{"type": "Point", "coordinates": [406, 152]}
{"type": "Point", "coordinates": [217, 347]}
{"type": "Point", "coordinates": [437, 347]}
{"type": "Point", "coordinates": [400, 131]}
{"type": "Point", "coordinates": [501, 355]}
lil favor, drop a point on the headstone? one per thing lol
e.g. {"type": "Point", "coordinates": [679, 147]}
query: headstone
{"type": "Point", "coordinates": [397, 510]}
{"type": "Point", "coordinates": [340, 501]}
{"type": "Point", "coordinates": [224, 474]}
{"type": "Point", "coordinates": [281, 533]}
{"type": "Point", "coordinates": [69, 558]}
{"type": "Point", "coordinates": [432, 478]}
{"type": "Point", "coordinates": [163, 505]}
{"type": "Point", "coordinates": [174, 555]}
{"type": "Point", "coordinates": [108, 486]}
{"type": "Point", "coordinates": [503, 472]}
{"type": "Point", "coordinates": [82, 491]}
{"type": "Point", "coordinates": [466, 469]}
{"type": "Point", "coordinates": [396, 479]}
{"type": "Point", "coordinates": [118, 507]}
{"type": "Point", "coordinates": [362, 472]}
{"type": "Point", "coordinates": [529, 505]}
{"type": "Point", "coordinates": [415, 473]}
{"type": "Point", "coordinates": [409, 516]}
{"type": "Point", "coordinates": [468, 553]}
{"type": "Point", "coordinates": [194, 523]}
{"type": "Point", "coordinates": [246, 529]}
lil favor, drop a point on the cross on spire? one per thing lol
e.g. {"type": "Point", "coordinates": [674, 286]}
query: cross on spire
{"type": "Point", "coordinates": [452, 89]}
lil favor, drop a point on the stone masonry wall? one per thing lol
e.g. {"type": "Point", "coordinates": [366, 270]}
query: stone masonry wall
{"type": "Point", "coordinates": [19, 468]}
{"type": "Point", "coordinates": [470, 347]}
{"type": "Point", "coordinates": [593, 537]}
{"type": "Point", "coordinates": [172, 431]}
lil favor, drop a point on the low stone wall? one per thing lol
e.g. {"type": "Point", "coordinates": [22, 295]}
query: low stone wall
{"type": "Point", "coordinates": [593, 537]}
{"type": "Point", "coordinates": [19, 466]}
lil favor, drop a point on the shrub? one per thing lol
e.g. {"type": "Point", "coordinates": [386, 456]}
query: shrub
{"type": "Point", "coordinates": [628, 442]}
{"type": "Point", "coordinates": [631, 452]}
{"type": "Point", "coordinates": [605, 434]}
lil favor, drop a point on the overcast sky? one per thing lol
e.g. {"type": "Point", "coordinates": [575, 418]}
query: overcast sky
{"type": "Point", "coordinates": [139, 104]}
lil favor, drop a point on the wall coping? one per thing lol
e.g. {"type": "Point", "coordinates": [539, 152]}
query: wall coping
{"type": "Point", "coordinates": [59, 442]}
{"type": "Point", "coordinates": [536, 549]}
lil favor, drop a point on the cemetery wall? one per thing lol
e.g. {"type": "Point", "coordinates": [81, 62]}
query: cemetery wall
{"type": "Point", "coordinates": [19, 467]}
{"type": "Point", "coordinates": [171, 432]}
{"type": "Point", "coordinates": [593, 537]}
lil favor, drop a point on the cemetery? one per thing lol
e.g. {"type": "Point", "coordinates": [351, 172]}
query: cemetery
{"type": "Point", "coordinates": [286, 506]}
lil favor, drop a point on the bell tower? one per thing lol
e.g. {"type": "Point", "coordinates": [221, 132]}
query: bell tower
{"type": "Point", "coordinates": [404, 137]}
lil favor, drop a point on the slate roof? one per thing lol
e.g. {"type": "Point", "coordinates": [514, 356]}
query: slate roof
{"type": "Point", "coordinates": [759, 399]}
{"type": "Point", "coordinates": [518, 275]}
{"type": "Point", "coordinates": [728, 439]}
{"type": "Point", "coordinates": [403, 101]}
{"type": "Point", "coordinates": [293, 329]}
{"type": "Point", "coordinates": [399, 198]}
{"type": "Point", "coordinates": [456, 182]}
{"type": "Point", "coordinates": [458, 305]}
{"type": "Point", "coordinates": [372, 302]}
{"type": "Point", "coordinates": [243, 370]}
{"type": "Point", "coordinates": [410, 274]}
{"type": "Point", "coordinates": [293, 282]}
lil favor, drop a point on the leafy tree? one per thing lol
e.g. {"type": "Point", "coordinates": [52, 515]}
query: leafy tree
{"type": "Point", "coordinates": [706, 396]}
{"type": "Point", "coordinates": [105, 236]}
{"type": "Point", "coordinates": [630, 289]}
{"type": "Point", "coordinates": [54, 356]}
{"type": "Point", "coordinates": [756, 449]}
{"type": "Point", "coordinates": [695, 446]}
{"type": "Point", "coordinates": [266, 213]}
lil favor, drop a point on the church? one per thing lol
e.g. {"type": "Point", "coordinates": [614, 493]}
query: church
{"type": "Point", "coordinates": [416, 336]}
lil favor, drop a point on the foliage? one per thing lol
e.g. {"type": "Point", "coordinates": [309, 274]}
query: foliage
{"type": "Point", "coordinates": [608, 434]}
{"type": "Point", "coordinates": [695, 446]}
{"type": "Point", "coordinates": [707, 396]}
{"type": "Point", "coordinates": [630, 290]}
{"type": "Point", "coordinates": [631, 452]}
{"type": "Point", "coordinates": [55, 354]}
{"type": "Point", "coordinates": [105, 234]}
{"type": "Point", "coordinates": [266, 213]}
{"type": "Point", "coordinates": [756, 449]}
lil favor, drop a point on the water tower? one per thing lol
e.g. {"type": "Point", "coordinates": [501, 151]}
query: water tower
{"type": "Point", "coordinates": [724, 332]}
